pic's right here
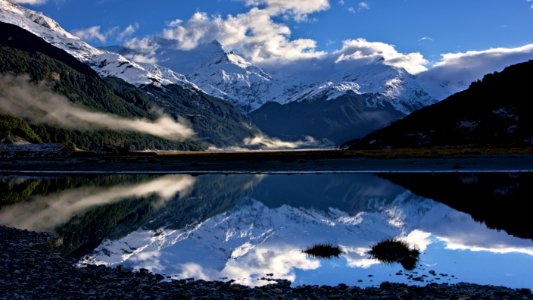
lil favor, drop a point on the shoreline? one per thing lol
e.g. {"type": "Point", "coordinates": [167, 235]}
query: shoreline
{"type": "Point", "coordinates": [32, 270]}
{"type": "Point", "coordinates": [296, 162]}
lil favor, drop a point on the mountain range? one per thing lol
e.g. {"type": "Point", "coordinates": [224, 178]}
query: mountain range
{"type": "Point", "coordinates": [333, 99]}
{"type": "Point", "coordinates": [387, 92]}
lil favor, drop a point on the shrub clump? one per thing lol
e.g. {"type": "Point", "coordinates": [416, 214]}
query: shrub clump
{"type": "Point", "coordinates": [323, 251]}
{"type": "Point", "coordinates": [395, 251]}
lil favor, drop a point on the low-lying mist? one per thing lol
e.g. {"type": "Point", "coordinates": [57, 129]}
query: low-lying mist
{"type": "Point", "coordinates": [38, 103]}
{"type": "Point", "coordinates": [270, 143]}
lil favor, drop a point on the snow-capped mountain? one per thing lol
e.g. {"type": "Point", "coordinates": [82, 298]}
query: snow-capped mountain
{"type": "Point", "coordinates": [329, 79]}
{"type": "Point", "coordinates": [225, 75]}
{"type": "Point", "coordinates": [230, 76]}
{"type": "Point", "coordinates": [104, 62]}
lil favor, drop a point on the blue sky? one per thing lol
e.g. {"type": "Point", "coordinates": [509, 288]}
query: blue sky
{"type": "Point", "coordinates": [431, 27]}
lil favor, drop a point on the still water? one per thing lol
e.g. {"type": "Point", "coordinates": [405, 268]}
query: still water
{"type": "Point", "coordinates": [250, 228]}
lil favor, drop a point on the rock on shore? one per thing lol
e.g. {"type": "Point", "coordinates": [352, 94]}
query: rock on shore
{"type": "Point", "coordinates": [30, 270]}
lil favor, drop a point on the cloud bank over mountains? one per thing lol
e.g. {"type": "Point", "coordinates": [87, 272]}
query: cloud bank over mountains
{"type": "Point", "coordinates": [262, 35]}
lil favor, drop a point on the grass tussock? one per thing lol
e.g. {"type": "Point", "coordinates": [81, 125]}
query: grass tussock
{"type": "Point", "coordinates": [323, 251]}
{"type": "Point", "coordinates": [395, 251]}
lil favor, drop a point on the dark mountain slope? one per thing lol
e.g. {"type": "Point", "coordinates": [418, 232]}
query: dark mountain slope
{"type": "Point", "coordinates": [16, 37]}
{"type": "Point", "coordinates": [495, 111]}
{"type": "Point", "coordinates": [215, 121]}
{"type": "Point", "coordinates": [24, 53]}
{"type": "Point", "coordinates": [336, 120]}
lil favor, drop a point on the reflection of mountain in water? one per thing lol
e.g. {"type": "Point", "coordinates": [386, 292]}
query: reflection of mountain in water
{"type": "Point", "coordinates": [211, 195]}
{"type": "Point", "coordinates": [267, 236]}
{"type": "Point", "coordinates": [351, 193]}
{"type": "Point", "coordinates": [502, 201]}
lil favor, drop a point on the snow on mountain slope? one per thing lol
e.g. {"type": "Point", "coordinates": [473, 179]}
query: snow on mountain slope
{"type": "Point", "coordinates": [222, 74]}
{"type": "Point", "coordinates": [104, 62]}
{"type": "Point", "coordinates": [330, 79]}
{"type": "Point", "coordinates": [253, 240]}
{"type": "Point", "coordinates": [230, 76]}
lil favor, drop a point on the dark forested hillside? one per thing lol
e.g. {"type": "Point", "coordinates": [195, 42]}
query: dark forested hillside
{"type": "Point", "coordinates": [214, 121]}
{"type": "Point", "coordinates": [493, 112]}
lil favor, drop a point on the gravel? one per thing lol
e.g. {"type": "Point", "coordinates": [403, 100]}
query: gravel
{"type": "Point", "coordinates": [31, 270]}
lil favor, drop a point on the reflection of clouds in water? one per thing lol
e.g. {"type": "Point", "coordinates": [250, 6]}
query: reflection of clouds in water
{"type": "Point", "coordinates": [281, 261]}
{"type": "Point", "coordinates": [357, 257]}
{"type": "Point", "coordinates": [418, 239]}
{"type": "Point", "coordinates": [459, 231]}
{"type": "Point", "coordinates": [48, 212]}
{"type": "Point", "coordinates": [253, 240]}
{"type": "Point", "coordinates": [194, 270]}
{"type": "Point", "coordinates": [501, 244]}
{"type": "Point", "coordinates": [256, 179]}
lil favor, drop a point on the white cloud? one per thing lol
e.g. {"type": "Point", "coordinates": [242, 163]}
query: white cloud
{"type": "Point", "coordinates": [95, 33]}
{"type": "Point", "coordinates": [364, 6]}
{"type": "Point", "coordinates": [425, 39]}
{"type": "Point", "coordinates": [479, 58]}
{"type": "Point", "coordinates": [360, 7]}
{"type": "Point", "coordinates": [145, 50]}
{"type": "Point", "coordinates": [32, 2]}
{"type": "Point", "coordinates": [362, 49]}
{"type": "Point", "coordinates": [455, 71]}
{"type": "Point", "coordinates": [128, 31]}
{"type": "Point", "coordinates": [91, 34]}
{"type": "Point", "coordinates": [253, 34]}
{"type": "Point", "coordinates": [298, 9]}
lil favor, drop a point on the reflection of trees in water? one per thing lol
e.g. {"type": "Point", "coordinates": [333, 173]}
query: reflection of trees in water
{"type": "Point", "coordinates": [18, 189]}
{"type": "Point", "coordinates": [502, 201]}
{"type": "Point", "coordinates": [85, 210]}
{"type": "Point", "coordinates": [45, 213]}
{"type": "Point", "coordinates": [15, 190]}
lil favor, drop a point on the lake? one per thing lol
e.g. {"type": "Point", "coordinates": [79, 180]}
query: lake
{"type": "Point", "coordinates": [253, 228]}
